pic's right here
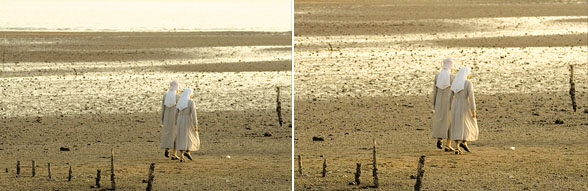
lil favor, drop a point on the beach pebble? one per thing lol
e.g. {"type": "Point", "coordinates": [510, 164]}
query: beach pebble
{"type": "Point", "coordinates": [512, 148]}
{"type": "Point", "coordinates": [511, 177]}
{"type": "Point", "coordinates": [228, 157]}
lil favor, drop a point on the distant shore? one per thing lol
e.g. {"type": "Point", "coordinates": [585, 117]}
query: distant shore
{"type": "Point", "coordinates": [124, 46]}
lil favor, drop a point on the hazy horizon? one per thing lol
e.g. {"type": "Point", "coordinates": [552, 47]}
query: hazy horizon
{"type": "Point", "coordinates": [151, 15]}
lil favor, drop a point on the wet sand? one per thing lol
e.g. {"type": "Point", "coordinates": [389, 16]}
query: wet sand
{"type": "Point", "coordinates": [365, 71]}
{"type": "Point", "coordinates": [547, 156]}
{"type": "Point", "coordinates": [524, 41]}
{"type": "Point", "coordinates": [347, 17]}
{"type": "Point", "coordinates": [126, 46]}
{"type": "Point", "coordinates": [110, 100]}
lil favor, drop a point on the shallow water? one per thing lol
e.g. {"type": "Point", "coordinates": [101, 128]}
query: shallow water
{"type": "Point", "coordinates": [136, 15]}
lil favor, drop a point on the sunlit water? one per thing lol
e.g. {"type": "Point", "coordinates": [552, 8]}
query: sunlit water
{"type": "Point", "coordinates": [149, 15]}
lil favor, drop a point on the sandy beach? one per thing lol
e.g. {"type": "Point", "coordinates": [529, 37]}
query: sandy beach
{"type": "Point", "coordinates": [365, 71]}
{"type": "Point", "coordinates": [96, 91]}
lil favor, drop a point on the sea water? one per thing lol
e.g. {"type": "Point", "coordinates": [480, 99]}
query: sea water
{"type": "Point", "coordinates": [145, 15]}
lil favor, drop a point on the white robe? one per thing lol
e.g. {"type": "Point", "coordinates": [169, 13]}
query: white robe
{"type": "Point", "coordinates": [187, 138]}
{"type": "Point", "coordinates": [463, 126]}
{"type": "Point", "coordinates": [168, 121]}
{"type": "Point", "coordinates": [441, 102]}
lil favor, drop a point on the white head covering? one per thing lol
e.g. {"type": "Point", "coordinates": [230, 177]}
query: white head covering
{"type": "Point", "coordinates": [183, 103]}
{"type": "Point", "coordinates": [460, 79]}
{"type": "Point", "coordinates": [444, 75]}
{"type": "Point", "coordinates": [170, 97]}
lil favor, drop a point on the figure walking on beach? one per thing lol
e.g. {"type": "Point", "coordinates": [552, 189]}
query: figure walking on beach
{"type": "Point", "coordinates": [441, 105]}
{"type": "Point", "coordinates": [464, 126]}
{"type": "Point", "coordinates": [187, 123]}
{"type": "Point", "coordinates": [169, 114]}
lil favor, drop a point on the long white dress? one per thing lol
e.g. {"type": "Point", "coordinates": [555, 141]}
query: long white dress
{"type": "Point", "coordinates": [168, 121]}
{"type": "Point", "coordinates": [187, 138]}
{"type": "Point", "coordinates": [463, 126]}
{"type": "Point", "coordinates": [442, 118]}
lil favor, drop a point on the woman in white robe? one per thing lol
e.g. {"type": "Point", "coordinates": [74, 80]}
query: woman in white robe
{"type": "Point", "coordinates": [187, 123]}
{"type": "Point", "coordinates": [169, 114]}
{"type": "Point", "coordinates": [441, 105]}
{"type": "Point", "coordinates": [464, 126]}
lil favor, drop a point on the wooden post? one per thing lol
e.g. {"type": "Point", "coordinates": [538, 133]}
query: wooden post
{"type": "Point", "coordinates": [49, 170]}
{"type": "Point", "coordinates": [34, 166]}
{"type": "Point", "coordinates": [113, 184]}
{"type": "Point", "coordinates": [357, 173]}
{"type": "Point", "coordinates": [299, 165]}
{"type": "Point", "coordinates": [17, 168]}
{"type": "Point", "coordinates": [69, 173]}
{"type": "Point", "coordinates": [420, 172]}
{"type": "Point", "coordinates": [572, 88]}
{"type": "Point", "coordinates": [324, 167]}
{"type": "Point", "coordinates": [375, 171]}
{"type": "Point", "coordinates": [151, 176]}
{"type": "Point", "coordinates": [279, 106]}
{"type": "Point", "coordinates": [97, 178]}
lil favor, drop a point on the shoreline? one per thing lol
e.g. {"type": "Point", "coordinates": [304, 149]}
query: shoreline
{"type": "Point", "coordinates": [67, 47]}
{"type": "Point", "coordinates": [212, 31]}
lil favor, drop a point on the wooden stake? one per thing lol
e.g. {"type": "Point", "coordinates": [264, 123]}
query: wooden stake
{"type": "Point", "coordinates": [17, 168]}
{"type": "Point", "coordinates": [324, 167]}
{"type": "Point", "coordinates": [299, 165]}
{"type": "Point", "coordinates": [49, 170]}
{"type": "Point", "coordinates": [34, 166]}
{"type": "Point", "coordinates": [113, 183]}
{"type": "Point", "coordinates": [97, 178]}
{"type": "Point", "coordinates": [420, 172]}
{"type": "Point", "coordinates": [375, 171]}
{"type": "Point", "coordinates": [151, 176]}
{"type": "Point", "coordinates": [279, 106]}
{"type": "Point", "coordinates": [357, 173]}
{"type": "Point", "coordinates": [69, 173]}
{"type": "Point", "coordinates": [572, 88]}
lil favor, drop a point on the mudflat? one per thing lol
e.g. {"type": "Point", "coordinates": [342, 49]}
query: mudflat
{"type": "Point", "coordinates": [365, 71]}
{"type": "Point", "coordinates": [93, 92]}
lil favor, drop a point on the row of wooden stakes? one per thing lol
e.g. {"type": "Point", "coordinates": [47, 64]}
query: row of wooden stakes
{"type": "Point", "coordinates": [34, 171]}
{"type": "Point", "coordinates": [419, 176]}
{"type": "Point", "coordinates": [98, 172]}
